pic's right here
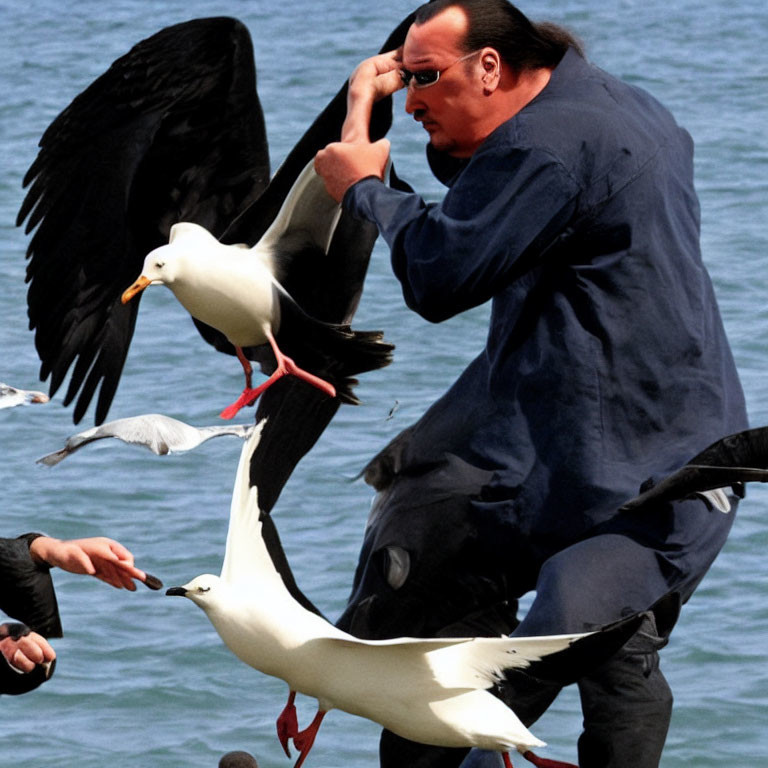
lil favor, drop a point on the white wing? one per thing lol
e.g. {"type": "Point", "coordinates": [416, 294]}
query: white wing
{"type": "Point", "coordinates": [309, 213]}
{"type": "Point", "coordinates": [470, 662]}
{"type": "Point", "coordinates": [481, 662]}
{"type": "Point", "coordinates": [246, 558]}
{"type": "Point", "coordinates": [160, 434]}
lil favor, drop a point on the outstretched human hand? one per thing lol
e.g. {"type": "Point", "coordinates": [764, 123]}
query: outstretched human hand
{"type": "Point", "coordinates": [99, 556]}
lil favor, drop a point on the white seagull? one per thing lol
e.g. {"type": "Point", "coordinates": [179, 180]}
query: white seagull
{"type": "Point", "coordinates": [160, 434]}
{"type": "Point", "coordinates": [236, 289]}
{"type": "Point", "coordinates": [10, 396]}
{"type": "Point", "coordinates": [433, 691]}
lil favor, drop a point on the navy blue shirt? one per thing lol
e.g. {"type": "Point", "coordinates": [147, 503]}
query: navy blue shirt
{"type": "Point", "coordinates": [606, 360]}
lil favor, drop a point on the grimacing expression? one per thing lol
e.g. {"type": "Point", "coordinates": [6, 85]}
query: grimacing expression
{"type": "Point", "coordinates": [448, 109]}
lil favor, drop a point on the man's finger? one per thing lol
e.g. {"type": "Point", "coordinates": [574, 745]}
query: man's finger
{"type": "Point", "coordinates": [22, 662]}
{"type": "Point", "coordinates": [122, 552]}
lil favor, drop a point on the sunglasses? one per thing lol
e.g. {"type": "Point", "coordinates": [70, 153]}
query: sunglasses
{"type": "Point", "coordinates": [423, 78]}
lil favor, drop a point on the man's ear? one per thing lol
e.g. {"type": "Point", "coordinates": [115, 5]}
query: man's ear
{"type": "Point", "coordinates": [490, 61]}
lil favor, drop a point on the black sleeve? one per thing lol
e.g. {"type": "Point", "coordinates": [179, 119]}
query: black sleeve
{"type": "Point", "coordinates": [26, 588]}
{"type": "Point", "coordinates": [14, 683]}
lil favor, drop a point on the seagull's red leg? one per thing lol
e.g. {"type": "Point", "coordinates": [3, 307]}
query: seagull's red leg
{"type": "Point", "coordinates": [284, 366]}
{"type": "Point", "coordinates": [287, 723]}
{"type": "Point", "coordinates": [246, 363]}
{"type": "Point", "coordinates": [507, 760]}
{"type": "Point", "coordinates": [304, 740]}
{"type": "Point", "coordinates": [543, 762]}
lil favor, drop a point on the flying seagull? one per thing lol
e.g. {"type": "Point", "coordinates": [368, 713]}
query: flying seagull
{"type": "Point", "coordinates": [10, 396]}
{"type": "Point", "coordinates": [238, 291]}
{"type": "Point", "coordinates": [433, 691]}
{"type": "Point", "coordinates": [172, 132]}
{"type": "Point", "coordinates": [160, 434]}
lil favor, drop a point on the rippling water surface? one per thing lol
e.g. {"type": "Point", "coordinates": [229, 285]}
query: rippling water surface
{"type": "Point", "coordinates": [144, 681]}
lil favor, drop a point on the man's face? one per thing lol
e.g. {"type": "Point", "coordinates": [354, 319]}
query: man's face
{"type": "Point", "coordinates": [449, 110]}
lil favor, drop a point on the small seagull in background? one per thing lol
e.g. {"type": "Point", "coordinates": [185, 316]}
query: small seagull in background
{"type": "Point", "coordinates": [160, 434]}
{"type": "Point", "coordinates": [393, 410]}
{"type": "Point", "coordinates": [10, 397]}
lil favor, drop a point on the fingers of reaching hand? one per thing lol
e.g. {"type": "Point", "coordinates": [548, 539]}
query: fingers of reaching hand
{"type": "Point", "coordinates": [102, 547]}
{"type": "Point", "coordinates": [118, 573]}
{"type": "Point", "coordinates": [121, 552]}
{"type": "Point", "coordinates": [109, 561]}
{"type": "Point", "coordinates": [67, 555]}
{"type": "Point", "coordinates": [98, 556]}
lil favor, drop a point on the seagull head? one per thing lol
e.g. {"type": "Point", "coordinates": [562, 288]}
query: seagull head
{"type": "Point", "coordinates": [168, 263]}
{"type": "Point", "coordinates": [159, 269]}
{"type": "Point", "coordinates": [202, 590]}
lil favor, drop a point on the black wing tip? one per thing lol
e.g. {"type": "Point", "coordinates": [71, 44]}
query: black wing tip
{"type": "Point", "coordinates": [733, 460]}
{"type": "Point", "coordinates": [377, 355]}
{"type": "Point", "coordinates": [587, 653]}
{"type": "Point", "coordinates": [365, 351]}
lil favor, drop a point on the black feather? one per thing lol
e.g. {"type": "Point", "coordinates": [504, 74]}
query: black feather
{"type": "Point", "coordinates": [173, 131]}
{"type": "Point", "coordinates": [731, 461]}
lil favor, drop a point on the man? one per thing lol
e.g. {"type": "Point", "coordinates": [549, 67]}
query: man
{"type": "Point", "coordinates": [27, 595]}
{"type": "Point", "coordinates": [571, 207]}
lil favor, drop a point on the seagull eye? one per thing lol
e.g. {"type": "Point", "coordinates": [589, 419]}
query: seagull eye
{"type": "Point", "coordinates": [159, 264]}
{"type": "Point", "coordinates": [203, 589]}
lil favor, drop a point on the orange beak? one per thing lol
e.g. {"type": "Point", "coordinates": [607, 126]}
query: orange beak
{"type": "Point", "coordinates": [137, 287]}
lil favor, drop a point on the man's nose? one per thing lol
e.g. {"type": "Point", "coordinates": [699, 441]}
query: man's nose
{"type": "Point", "coordinates": [412, 99]}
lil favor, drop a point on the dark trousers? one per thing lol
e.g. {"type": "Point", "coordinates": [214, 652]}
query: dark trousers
{"type": "Point", "coordinates": [626, 702]}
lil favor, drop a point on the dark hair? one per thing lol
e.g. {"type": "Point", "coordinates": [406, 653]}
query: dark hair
{"type": "Point", "coordinates": [521, 43]}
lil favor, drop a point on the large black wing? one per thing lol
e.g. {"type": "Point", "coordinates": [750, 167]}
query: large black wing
{"type": "Point", "coordinates": [173, 131]}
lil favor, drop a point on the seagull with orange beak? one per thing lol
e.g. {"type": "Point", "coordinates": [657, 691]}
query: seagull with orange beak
{"type": "Point", "coordinates": [237, 290]}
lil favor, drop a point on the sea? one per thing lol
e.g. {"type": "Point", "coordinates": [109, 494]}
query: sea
{"type": "Point", "coordinates": [143, 680]}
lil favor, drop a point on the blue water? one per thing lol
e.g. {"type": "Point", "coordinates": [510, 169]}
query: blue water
{"type": "Point", "coordinates": [143, 680]}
